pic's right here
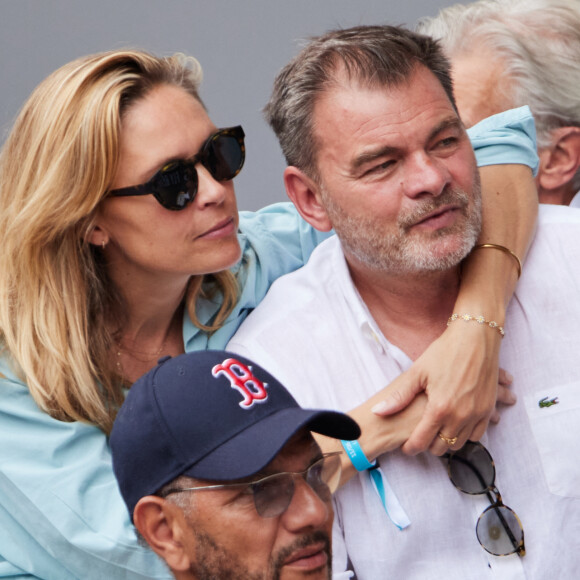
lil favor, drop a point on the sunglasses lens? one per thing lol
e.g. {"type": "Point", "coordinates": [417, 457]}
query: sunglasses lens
{"type": "Point", "coordinates": [471, 469]}
{"type": "Point", "coordinates": [225, 157]}
{"type": "Point", "coordinates": [273, 496]}
{"type": "Point", "coordinates": [499, 531]}
{"type": "Point", "coordinates": [175, 185]}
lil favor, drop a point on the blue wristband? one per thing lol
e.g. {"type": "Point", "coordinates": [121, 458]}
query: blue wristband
{"type": "Point", "coordinates": [357, 456]}
{"type": "Point", "coordinates": [393, 507]}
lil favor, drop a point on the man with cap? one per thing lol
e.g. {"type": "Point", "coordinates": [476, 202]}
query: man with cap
{"type": "Point", "coordinates": [220, 473]}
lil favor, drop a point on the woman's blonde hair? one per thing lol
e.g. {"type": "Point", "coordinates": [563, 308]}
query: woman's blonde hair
{"type": "Point", "coordinates": [56, 167]}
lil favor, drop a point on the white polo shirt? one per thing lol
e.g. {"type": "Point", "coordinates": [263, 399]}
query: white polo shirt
{"type": "Point", "coordinates": [314, 333]}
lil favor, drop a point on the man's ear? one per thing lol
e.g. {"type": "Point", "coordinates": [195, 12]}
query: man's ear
{"type": "Point", "coordinates": [162, 525]}
{"type": "Point", "coordinates": [305, 195]}
{"type": "Point", "coordinates": [558, 165]}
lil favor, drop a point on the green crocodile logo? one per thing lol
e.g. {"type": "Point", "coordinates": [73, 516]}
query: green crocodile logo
{"type": "Point", "coordinates": [542, 403]}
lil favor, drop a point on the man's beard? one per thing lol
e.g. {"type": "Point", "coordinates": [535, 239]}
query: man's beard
{"type": "Point", "coordinates": [214, 562]}
{"type": "Point", "coordinates": [398, 250]}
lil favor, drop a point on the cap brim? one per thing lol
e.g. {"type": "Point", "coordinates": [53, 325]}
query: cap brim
{"type": "Point", "coordinates": [252, 449]}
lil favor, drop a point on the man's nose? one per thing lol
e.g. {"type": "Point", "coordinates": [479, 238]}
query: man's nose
{"type": "Point", "coordinates": [306, 510]}
{"type": "Point", "coordinates": [425, 176]}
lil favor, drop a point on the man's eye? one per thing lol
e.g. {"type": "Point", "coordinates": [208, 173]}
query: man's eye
{"type": "Point", "coordinates": [244, 495]}
{"type": "Point", "coordinates": [447, 142]}
{"type": "Point", "coordinates": [315, 471]}
{"type": "Point", "coordinates": [380, 168]}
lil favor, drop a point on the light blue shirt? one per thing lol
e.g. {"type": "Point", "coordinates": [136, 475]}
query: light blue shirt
{"type": "Point", "coordinates": [61, 514]}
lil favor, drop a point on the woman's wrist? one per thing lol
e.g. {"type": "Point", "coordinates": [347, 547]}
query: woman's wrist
{"type": "Point", "coordinates": [487, 285]}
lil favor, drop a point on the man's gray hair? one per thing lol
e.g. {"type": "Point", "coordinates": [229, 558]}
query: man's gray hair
{"type": "Point", "coordinates": [373, 56]}
{"type": "Point", "coordinates": [538, 41]}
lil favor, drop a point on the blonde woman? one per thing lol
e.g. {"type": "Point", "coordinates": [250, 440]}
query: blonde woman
{"type": "Point", "coordinates": [120, 242]}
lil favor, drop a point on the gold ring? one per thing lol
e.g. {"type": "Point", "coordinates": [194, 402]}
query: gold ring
{"type": "Point", "coordinates": [450, 441]}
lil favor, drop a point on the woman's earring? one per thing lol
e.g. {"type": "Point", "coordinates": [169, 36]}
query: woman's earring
{"type": "Point", "coordinates": [103, 244]}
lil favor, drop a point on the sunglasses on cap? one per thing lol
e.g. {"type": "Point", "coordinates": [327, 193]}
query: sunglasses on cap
{"type": "Point", "coordinates": [175, 184]}
{"type": "Point", "coordinates": [273, 494]}
{"type": "Point", "coordinates": [472, 471]}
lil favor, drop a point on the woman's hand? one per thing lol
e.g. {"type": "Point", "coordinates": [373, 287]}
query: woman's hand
{"type": "Point", "coordinates": [456, 396]}
{"type": "Point", "coordinates": [459, 374]}
{"type": "Point", "coordinates": [452, 388]}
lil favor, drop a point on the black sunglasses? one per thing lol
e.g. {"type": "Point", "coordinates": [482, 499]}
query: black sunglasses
{"type": "Point", "coordinates": [472, 470]}
{"type": "Point", "coordinates": [273, 494]}
{"type": "Point", "coordinates": [175, 185]}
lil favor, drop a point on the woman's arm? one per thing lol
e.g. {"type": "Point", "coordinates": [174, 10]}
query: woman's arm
{"type": "Point", "coordinates": [457, 397]}
{"type": "Point", "coordinates": [461, 393]}
{"type": "Point", "coordinates": [463, 405]}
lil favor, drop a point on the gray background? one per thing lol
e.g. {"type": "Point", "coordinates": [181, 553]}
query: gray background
{"type": "Point", "coordinates": [241, 45]}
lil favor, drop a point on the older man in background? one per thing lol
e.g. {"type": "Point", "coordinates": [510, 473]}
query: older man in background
{"type": "Point", "coordinates": [508, 53]}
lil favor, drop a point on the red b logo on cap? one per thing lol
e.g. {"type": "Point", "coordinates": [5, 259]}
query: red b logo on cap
{"type": "Point", "coordinates": [241, 378]}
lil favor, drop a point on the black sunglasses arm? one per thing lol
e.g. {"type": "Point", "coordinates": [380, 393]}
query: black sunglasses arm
{"type": "Point", "coordinates": [143, 189]}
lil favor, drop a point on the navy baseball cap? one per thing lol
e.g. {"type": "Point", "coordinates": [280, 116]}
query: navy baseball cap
{"type": "Point", "coordinates": [210, 415]}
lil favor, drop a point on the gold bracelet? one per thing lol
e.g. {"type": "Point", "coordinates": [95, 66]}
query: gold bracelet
{"type": "Point", "coordinates": [503, 249]}
{"type": "Point", "coordinates": [480, 319]}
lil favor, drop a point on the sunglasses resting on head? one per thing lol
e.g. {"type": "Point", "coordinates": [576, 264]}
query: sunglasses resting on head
{"type": "Point", "coordinates": [175, 185]}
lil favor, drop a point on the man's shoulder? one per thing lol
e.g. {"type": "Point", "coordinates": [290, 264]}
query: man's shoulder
{"type": "Point", "coordinates": [294, 322]}
{"type": "Point", "coordinates": [558, 214]}
{"type": "Point", "coordinates": [552, 258]}
{"type": "Point", "coordinates": [558, 227]}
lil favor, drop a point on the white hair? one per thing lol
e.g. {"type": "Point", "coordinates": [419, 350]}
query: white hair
{"type": "Point", "coordinates": [537, 41]}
